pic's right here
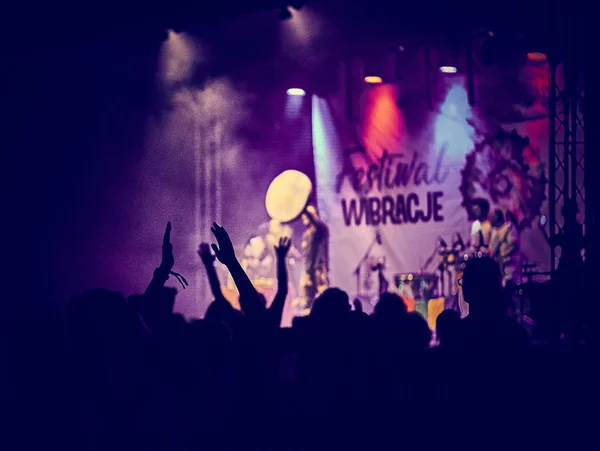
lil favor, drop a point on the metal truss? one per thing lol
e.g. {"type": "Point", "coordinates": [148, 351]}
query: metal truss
{"type": "Point", "coordinates": [567, 139]}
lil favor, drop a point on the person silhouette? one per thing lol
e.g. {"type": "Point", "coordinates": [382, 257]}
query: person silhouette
{"type": "Point", "coordinates": [488, 326]}
{"type": "Point", "coordinates": [315, 244]}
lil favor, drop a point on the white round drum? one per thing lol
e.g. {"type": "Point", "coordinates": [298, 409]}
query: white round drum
{"type": "Point", "coordinates": [288, 195]}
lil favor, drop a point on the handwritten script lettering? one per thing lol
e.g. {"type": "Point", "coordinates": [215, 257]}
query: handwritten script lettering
{"type": "Point", "coordinates": [395, 171]}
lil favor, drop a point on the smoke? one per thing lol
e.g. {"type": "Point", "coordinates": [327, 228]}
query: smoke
{"type": "Point", "coordinates": [217, 111]}
{"type": "Point", "coordinates": [183, 175]}
{"type": "Point", "coordinates": [180, 57]}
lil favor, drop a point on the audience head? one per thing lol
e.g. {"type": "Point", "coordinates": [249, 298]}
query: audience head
{"type": "Point", "coordinates": [332, 304]}
{"type": "Point", "coordinates": [417, 335]}
{"type": "Point", "coordinates": [102, 311]}
{"type": "Point", "coordinates": [447, 326]}
{"type": "Point", "coordinates": [390, 307]}
{"type": "Point", "coordinates": [106, 332]}
{"type": "Point", "coordinates": [136, 302]}
{"type": "Point", "coordinates": [482, 286]}
{"type": "Point", "coordinates": [223, 312]}
{"type": "Point", "coordinates": [167, 298]}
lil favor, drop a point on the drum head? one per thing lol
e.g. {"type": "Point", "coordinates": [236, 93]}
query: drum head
{"type": "Point", "coordinates": [288, 195]}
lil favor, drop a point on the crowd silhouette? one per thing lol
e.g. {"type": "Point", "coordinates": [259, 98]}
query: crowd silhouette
{"type": "Point", "coordinates": [129, 373]}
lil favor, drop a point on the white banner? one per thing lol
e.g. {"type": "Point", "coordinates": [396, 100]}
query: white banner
{"type": "Point", "coordinates": [413, 188]}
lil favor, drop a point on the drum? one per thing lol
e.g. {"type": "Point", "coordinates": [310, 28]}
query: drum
{"type": "Point", "coordinates": [420, 287]}
{"type": "Point", "coordinates": [288, 195]}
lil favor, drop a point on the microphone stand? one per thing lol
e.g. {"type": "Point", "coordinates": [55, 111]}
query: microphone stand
{"type": "Point", "coordinates": [441, 269]}
{"type": "Point", "coordinates": [444, 269]}
{"type": "Point", "coordinates": [360, 263]}
{"type": "Point", "coordinates": [429, 260]}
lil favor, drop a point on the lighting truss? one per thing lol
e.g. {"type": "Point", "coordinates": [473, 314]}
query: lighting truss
{"type": "Point", "coordinates": [567, 139]}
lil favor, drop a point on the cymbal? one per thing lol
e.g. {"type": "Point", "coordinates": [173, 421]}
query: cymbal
{"type": "Point", "coordinates": [288, 195]}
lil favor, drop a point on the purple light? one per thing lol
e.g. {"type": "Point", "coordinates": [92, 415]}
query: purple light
{"type": "Point", "coordinates": [448, 69]}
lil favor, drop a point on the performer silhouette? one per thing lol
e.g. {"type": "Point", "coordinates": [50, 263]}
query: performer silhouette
{"type": "Point", "coordinates": [505, 248]}
{"type": "Point", "coordinates": [315, 244]}
{"type": "Point", "coordinates": [481, 230]}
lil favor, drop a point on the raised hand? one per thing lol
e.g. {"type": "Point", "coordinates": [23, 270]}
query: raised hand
{"type": "Point", "coordinates": [168, 260]}
{"type": "Point", "coordinates": [283, 248]}
{"type": "Point", "coordinates": [161, 274]}
{"type": "Point", "coordinates": [205, 254]}
{"type": "Point", "coordinates": [224, 251]}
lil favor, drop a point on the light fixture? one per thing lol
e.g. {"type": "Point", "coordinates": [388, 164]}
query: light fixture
{"type": "Point", "coordinates": [373, 80]}
{"type": "Point", "coordinates": [538, 57]}
{"type": "Point", "coordinates": [284, 13]}
{"type": "Point", "coordinates": [448, 69]}
{"type": "Point", "coordinates": [296, 92]}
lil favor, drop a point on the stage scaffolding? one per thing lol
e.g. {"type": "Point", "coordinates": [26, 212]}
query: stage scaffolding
{"type": "Point", "coordinates": [566, 116]}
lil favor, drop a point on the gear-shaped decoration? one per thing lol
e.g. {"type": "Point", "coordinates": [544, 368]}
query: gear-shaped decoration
{"type": "Point", "coordinates": [505, 170]}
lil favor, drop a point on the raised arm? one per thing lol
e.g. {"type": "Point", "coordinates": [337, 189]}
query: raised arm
{"type": "Point", "coordinates": [151, 308]}
{"type": "Point", "coordinates": [249, 297]}
{"type": "Point", "coordinates": [161, 274]}
{"type": "Point", "coordinates": [276, 309]}
{"type": "Point", "coordinates": [208, 259]}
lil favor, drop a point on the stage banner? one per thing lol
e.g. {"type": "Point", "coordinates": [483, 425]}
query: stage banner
{"type": "Point", "coordinates": [394, 190]}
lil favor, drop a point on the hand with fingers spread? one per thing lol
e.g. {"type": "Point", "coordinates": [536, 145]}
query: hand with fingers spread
{"type": "Point", "coordinates": [283, 248]}
{"type": "Point", "coordinates": [168, 260]}
{"type": "Point", "coordinates": [224, 251]}
{"type": "Point", "coordinates": [250, 300]}
{"type": "Point", "coordinates": [205, 254]}
{"type": "Point", "coordinates": [208, 259]}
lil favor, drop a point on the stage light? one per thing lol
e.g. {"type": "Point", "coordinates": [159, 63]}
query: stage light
{"type": "Point", "coordinates": [448, 69]}
{"type": "Point", "coordinates": [296, 92]}
{"type": "Point", "coordinates": [537, 57]}
{"type": "Point", "coordinates": [373, 80]}
{"type": "Point", "coordinates": [284, 13]}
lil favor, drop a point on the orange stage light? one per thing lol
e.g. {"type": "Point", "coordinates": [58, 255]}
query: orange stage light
{"type": "Point", "coordinates": [373, 80]}
{"type": "Point", "coordinates": [538, 57]}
